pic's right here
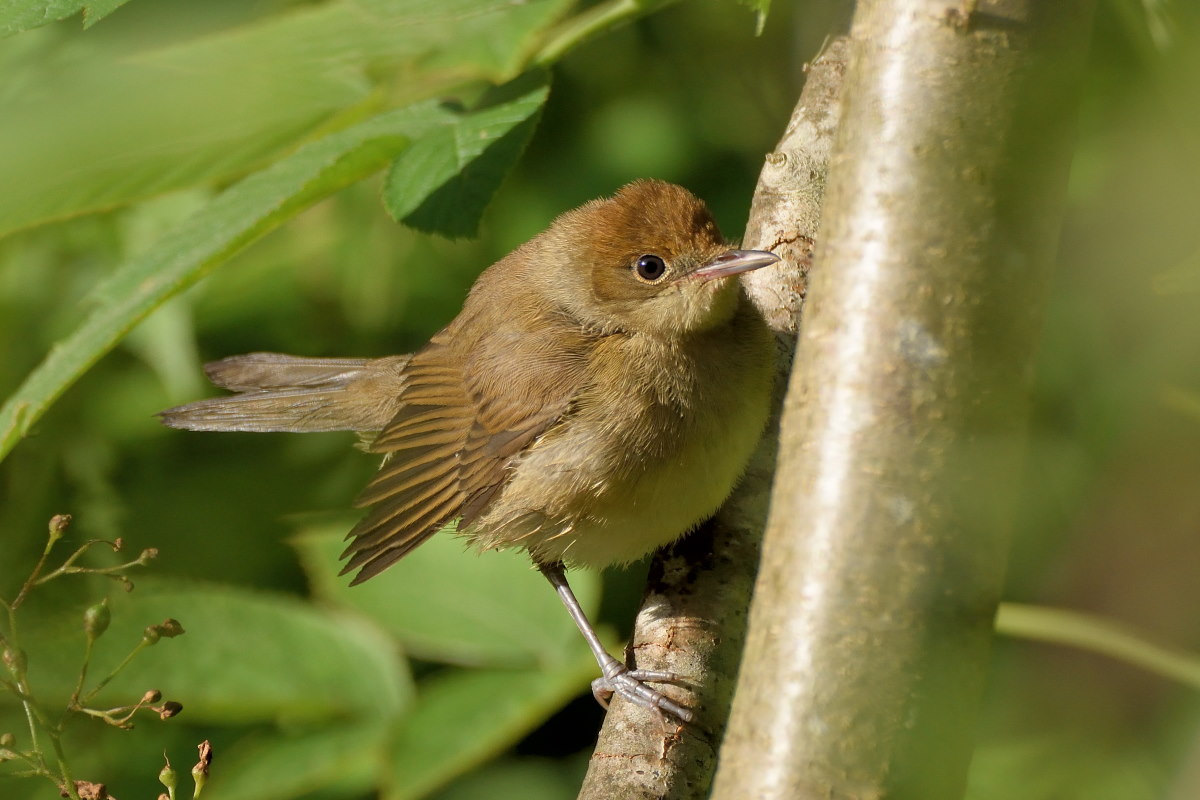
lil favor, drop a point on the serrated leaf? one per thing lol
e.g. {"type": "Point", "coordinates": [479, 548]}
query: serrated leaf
{"type": "Point", "coordinates": [90, 126]}
{"type": "Point", "coordinates": [446, 603]}
{"type": "Point", "coordinates": [23, 15]}
{"type": "Point", "coordinates": [237, 216]}
{"type": "Point", "coordinates": [464, 717]}
{"type": "Point", "coordinates": [251, 656]}
{"type": "Point", "coordinates": [443, 183]}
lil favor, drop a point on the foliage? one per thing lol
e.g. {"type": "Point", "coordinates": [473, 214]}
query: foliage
{"type": "Point", "coordinates": [250, 142]}
{"type": "Point", "coordinates": [39, 752]}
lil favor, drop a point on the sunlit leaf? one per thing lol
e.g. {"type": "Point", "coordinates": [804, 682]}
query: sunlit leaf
{"type": "Point", "coordinates": [447, 603]}
{"type": "Point", "coordinates": [232, 219]}
{"type": "Point", "coordinates": [107, 125]}
{"type": "Point", "coordinates": [251, 656]}
{"type": "Point", "coordinates": [464, 717]}
{"type": "Point", "coordinates": [244, 212]}
{"type": "Point", "coordinates": [21, 15]}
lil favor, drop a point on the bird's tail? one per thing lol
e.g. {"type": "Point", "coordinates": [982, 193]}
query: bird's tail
{"type": "Point", "coordinates": [277, 392]}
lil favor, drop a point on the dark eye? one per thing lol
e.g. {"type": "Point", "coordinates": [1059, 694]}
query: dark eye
{"type": "Point", "coordinates": [651, 267]}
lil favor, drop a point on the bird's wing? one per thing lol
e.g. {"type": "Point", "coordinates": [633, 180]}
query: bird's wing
{"type": "Point", "coordinates": [465, 412]}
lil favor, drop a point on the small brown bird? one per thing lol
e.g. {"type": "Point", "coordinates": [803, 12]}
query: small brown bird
{"type": "Point", "coordinates": [597, 397]}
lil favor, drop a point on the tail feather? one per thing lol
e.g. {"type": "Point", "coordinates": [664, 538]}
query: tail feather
{"type": "Point", "coordinates": [277, 392]}
{"type": "Point", "coordinates": [264, 371]}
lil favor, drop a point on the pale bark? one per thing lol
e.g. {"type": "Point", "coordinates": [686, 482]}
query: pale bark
{"type": "Point", "coordinates": [901, 437]}
{"type": "Point", "coordinates": [693, 616]}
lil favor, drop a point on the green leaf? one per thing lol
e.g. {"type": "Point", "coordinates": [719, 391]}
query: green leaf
{"type": "Point", "coordinates": [449, 604]}
{"type": "Point", "coordinates": [287, 764]}
{"type": "Point", "coordinates": [92, 124]}
{"type": "Point", "coordinates": [248, 656]}
{"type": "Point", "coordinates": [22, 15]}
{"type": "Point", "coordinates": [234, 218]}
{"type": "Point", "coordinates": [443, 183]}
{"type": "Point", "coordinates": [519, 778]}
{"type": "Point", "coordinates": [462, 718]}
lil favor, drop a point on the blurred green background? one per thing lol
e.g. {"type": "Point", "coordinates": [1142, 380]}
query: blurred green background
{"type": "Point", "coordinates": [402, 688]}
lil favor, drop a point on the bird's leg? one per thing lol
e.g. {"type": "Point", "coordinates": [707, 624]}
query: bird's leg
{"type": "Point", "coordinates": [617, 678]}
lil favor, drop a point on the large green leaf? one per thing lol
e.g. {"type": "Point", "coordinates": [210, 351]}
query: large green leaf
{"type": "Point", "coordinates": [343, 759]}
{"type": "Point", "coordinates": [447, 603]}
{"type": "Point", "coordinates": [21, 15]}
{"type": "Point", "coordinates": [518, 778]}
{"type": "Point", "coordinates": [237, 216]}
{"type": "Point", "coordinates": [251, 656]}
{"type": "Point", "coordinates": [465, 717]}
{"type": "Point", "coordinates": [91, 125]}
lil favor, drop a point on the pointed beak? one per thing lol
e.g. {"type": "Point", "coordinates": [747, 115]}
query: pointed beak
{"type": "Point", "coordinates": [733, 262]}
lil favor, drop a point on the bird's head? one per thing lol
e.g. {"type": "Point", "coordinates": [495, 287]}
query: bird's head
{"type": "Point", "coordinates": [650, 259]}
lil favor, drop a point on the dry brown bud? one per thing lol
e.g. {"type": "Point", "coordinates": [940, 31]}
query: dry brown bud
{"type": "Point", "coordinates": [89, 791]}
{"type": "Point", "coordinates": [200, 771]}
{"type": "Point", "coordinates": [169, 709]}
{"type": "Point", "coordinates": [171, 628]}
{"type": "Point", "coordinates": [205, 752]}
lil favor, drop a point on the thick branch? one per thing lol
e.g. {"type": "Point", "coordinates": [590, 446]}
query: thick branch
{"type": "Point", "coordinates": [693, 616]}
{"type": "Point", "coordinates": [902, 429]}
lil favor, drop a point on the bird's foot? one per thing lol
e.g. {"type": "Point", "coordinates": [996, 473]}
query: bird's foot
{"type": "Point", "coordinates": [631, 684]}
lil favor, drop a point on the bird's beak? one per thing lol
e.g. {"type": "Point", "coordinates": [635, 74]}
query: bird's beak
{"type": "Point", "coordinates": [733, 262]}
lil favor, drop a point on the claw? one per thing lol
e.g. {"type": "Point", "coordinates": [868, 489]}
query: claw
{"type": "Point", "coordinates": [631, 685]}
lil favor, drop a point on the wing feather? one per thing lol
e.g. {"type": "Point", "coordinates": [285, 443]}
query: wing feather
{"type": "Point", "coordinates": [465, 412]}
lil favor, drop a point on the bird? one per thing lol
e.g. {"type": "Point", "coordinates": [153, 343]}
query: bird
{"type": "Point", "coordinates": [598, 397]}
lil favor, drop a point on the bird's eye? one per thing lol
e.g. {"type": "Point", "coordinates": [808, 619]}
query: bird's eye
{"type": "Point", "coordinates": [650, 267]}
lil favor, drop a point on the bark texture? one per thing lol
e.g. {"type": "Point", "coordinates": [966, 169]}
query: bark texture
{"type": "Point", "coordinates": [903, 424]}
{"type": "Point", "coordinates": [693, 617]}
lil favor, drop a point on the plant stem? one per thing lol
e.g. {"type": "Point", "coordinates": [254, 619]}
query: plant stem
{"type": "Point", "coordinates": [125, 662]}
{"type": "Point", "coordinates": [63, 769]}
{"type": "Point", "coordinates": [1074, 629]}
{"type": "Point", "coordinates": [592, 21]}
{"type": "Point", "coordinates": [87, 659]}
{"type": "Point", "coordinates": [32, 580]}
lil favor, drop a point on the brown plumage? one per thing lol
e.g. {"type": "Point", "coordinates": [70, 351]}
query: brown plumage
{"type": "Point", "coordinates": [597, 397]}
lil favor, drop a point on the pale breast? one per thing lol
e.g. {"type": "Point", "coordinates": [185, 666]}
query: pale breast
{"type": "Point", "coordinates": [646, 459]}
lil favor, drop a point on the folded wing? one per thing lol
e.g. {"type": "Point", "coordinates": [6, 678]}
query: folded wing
{"type": "Point", "coordinates": [466, 411]}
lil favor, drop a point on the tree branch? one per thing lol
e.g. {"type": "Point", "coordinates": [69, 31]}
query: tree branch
{"type": "Point", "coordinates": [903, 425]}
{"type": "Point", "coordinates": [693, 617]}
